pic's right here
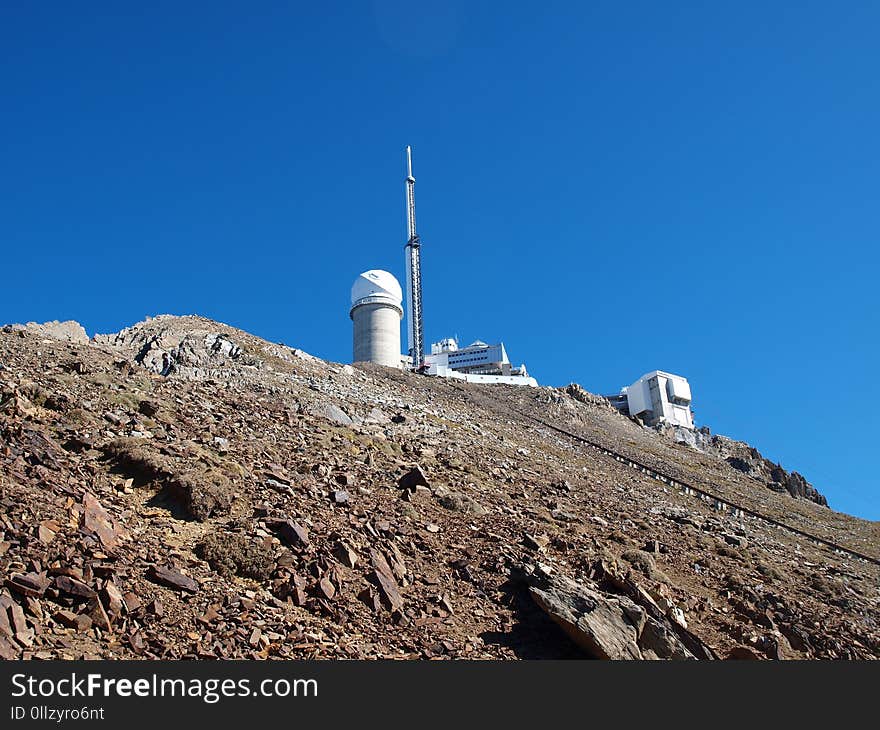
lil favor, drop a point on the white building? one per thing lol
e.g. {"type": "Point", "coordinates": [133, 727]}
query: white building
{"type": "Point", "coordinates": [658, 397]}
{"type": "Point", "coordinates": [476, 363]}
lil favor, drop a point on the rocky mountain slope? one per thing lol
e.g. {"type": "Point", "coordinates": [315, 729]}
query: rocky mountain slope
{"type": "Point", "coordinates": [184, 489]}
{"type": "Point", "coordinates": [746, 459]}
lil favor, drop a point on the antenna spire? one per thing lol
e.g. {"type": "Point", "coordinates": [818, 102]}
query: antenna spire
{"type": "Point", "coordinates": [413, 271]}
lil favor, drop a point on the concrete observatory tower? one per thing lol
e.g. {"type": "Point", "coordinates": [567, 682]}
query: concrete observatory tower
{"type": "Point", "coordinates": [376, 311]}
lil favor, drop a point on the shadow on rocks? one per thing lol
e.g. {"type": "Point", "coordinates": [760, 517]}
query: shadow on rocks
{"type": "Point", "coordinates": [534, 635]}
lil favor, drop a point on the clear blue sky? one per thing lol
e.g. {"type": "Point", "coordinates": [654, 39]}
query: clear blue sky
{"type": "Point", "coordinates": [608, 187]}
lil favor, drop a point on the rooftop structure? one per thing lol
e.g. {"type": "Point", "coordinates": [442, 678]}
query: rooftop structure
{"type": "Point", "coordinates": [478, 362]}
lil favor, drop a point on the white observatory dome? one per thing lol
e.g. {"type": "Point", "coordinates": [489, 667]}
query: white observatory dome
{"type": "Point", "coordinates": [376, 311]}
{"type": "Point", "coordinates": [376, 286]}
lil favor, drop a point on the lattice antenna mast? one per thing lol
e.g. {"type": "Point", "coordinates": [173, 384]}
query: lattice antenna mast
{"type": "Point", "coordinates": [416, 338]}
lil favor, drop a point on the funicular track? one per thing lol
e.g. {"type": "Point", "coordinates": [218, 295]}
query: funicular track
{"type": "Point", "coordinates": [719, 503]}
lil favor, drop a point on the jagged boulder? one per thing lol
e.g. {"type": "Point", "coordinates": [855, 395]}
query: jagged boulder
{"type": "Point", "coordinates": [69, 331]}
{"type": "Point", "coordinates": [577, 392]}
{"type": "Point", "coordinates": [603, 624]}
{"type": "Point", "coordinates": [746, 459]}
{"type": "Point", "coordinates": [600, 625]}
{"type": "Point", "coordinates": [189, 347]}
{"type": "Point", "coordinates": [797, 486]}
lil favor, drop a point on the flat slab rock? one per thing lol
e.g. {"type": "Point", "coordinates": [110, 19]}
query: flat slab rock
{"type": "Point", "coordinates": [172, 579]}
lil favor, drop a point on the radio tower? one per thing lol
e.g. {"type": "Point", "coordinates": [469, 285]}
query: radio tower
{"type": "Point", "coordinates": [413, 271]}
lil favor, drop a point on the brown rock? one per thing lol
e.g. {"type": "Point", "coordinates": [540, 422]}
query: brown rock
{"type": "Point", "coordinates": [386, 581]}
{"type": "Point", "coordinates": [742, 652]}
{"type": "Point", "coordinates": [413, 479]}
{"type": "Point", "coordinates": [210, 615]}
{"type": "Point", "coordinates": [71, 620]}
{"type": "Point", "coordinates": [33, 607]}
{"type": "Point", "coordinates": [136, 640]}
{"type": "Point", "coordinates": [7, 650]}
{"type": "Point", "coordinates": [132, 602]}
{"type": "Point", "coordinates": [5, 626]}
{"type": "Point", "coordinates": [536, 542]}
{"type": "Point", "coordinates": [345, 555]}
{"type": "Point", "coordinates": [290, 532]}
{"type": "Point", "coordinates": [327, 588]}
{"type": "Point", "coordinates": [29, 584]}
{"type": "Point", "coordinates": [396, 561]}
{"type": "Point", "coordinates": [446, 603]}
{"type": "Point", "coordinates": [371, 599]}
{"type": "Point", "coordinates": [96, 520]}
{"type": "Point", "coordinates": [95, 611]}
{"type": "Point", "coordinates": [23, 634]}
{"type": "Point", "coordinates": [172, 579]}
{"type": "Point", "coordinates": [74, 588]}
{"type": "Point", "coordinates": [156, 608]}
{"type": "Point", "coordinates": [278, 474]}
{"type": "Point", "coordinates": [47, 530]}
{"type": "Point", "coordinates": [297, 590]}
{"type": "Point", "coordinates": [112, 598]}
{"type": "Point", "coordinates": [457, 502]}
